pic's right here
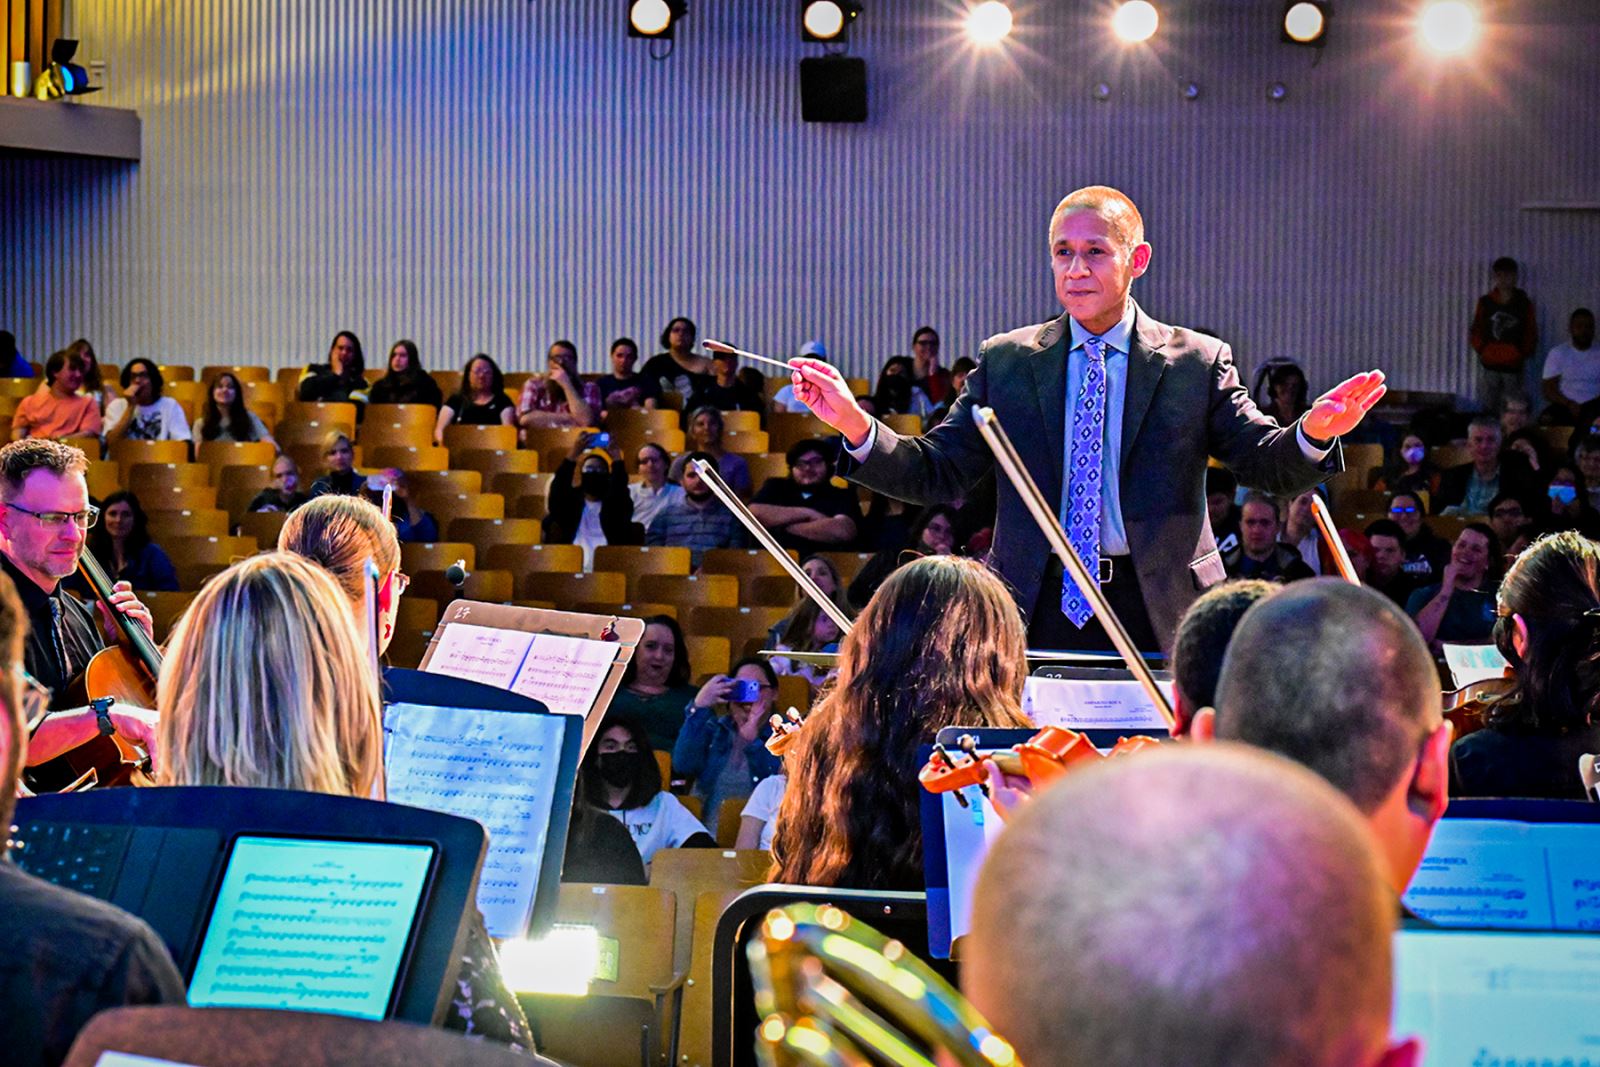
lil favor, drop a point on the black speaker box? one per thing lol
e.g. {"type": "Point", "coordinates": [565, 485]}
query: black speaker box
{"type": "Point", "coordinates": [833, 89]}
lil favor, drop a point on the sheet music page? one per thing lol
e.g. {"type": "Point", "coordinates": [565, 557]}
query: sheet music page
{"type": "Point", "coordinates": [310, 925]}
{"type": "Point", "coordinates": [1092, 704]}
{"type": "Point", "coordinates": [1470, 664]}
{"type": "Point", "coordinates": [496, 767]}
{"type": "Point", "coordinates": [110, 1058]}
{"type": "Point", "coordinates": [480, 653]}
{"type": "Point", "coordinates": [565, 673]}
{"type": "Point", "coordinates": [1491, 872]}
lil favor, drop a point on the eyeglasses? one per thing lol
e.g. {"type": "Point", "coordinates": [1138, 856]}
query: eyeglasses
{"type": "Point", "coordinates": [1402, 511]}
{"type": "Point", "coordinates": [57, 519]}
{"type": "Point", "coordinates": [35, 699]}
{"type": "Point", "coordinates": [397, 583]}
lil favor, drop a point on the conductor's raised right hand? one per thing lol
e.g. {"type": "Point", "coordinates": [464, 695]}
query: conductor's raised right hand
{"type": "Point", "coordinates": [823, 389]}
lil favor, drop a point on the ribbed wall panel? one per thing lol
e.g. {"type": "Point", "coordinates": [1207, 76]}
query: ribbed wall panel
{"type": "Point", "coordinates": [493, 174]}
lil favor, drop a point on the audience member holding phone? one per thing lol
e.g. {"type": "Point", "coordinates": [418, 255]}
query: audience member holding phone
{"type": "Point", "coordinates": [726, 752]}
{"type": "Point", "coordinates": [589, 501]}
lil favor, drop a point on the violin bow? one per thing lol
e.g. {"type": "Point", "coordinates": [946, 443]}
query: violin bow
{"type": "Point", "coordinates": [369, 576]}
{"type": "Point", "coordinates": [1341, 556]}
{"type": "Point", "coordinates": [1044, 515]}
{"type": "Point", "coordinates": [730, 499]}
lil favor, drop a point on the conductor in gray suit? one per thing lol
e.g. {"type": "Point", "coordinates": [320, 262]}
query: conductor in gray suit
{"type": "Point", "coordinates": [1114, 415]}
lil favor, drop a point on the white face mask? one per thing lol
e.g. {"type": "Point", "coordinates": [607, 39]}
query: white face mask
{"type": "Point", "coordinates": [1413, 454]}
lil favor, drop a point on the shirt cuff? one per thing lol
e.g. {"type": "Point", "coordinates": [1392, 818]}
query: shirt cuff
{"type": "Point", "coordinates": [860, 454]}
{"type": "Point", "coordinates": [1307, 449]}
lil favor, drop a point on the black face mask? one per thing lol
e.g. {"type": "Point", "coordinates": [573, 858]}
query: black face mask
{"type": "Point", "coordinates": [618, 769]}
{"type": "Point", "coordinates": [594, 483]}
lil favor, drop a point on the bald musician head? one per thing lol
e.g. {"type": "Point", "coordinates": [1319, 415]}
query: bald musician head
{"type": "Point", "coordinates": [1207, 906]}
{"type": "Point", "coordinates": [1336, 677]}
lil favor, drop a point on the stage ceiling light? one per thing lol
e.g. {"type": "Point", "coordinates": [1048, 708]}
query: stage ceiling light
{"type": "Point", "coordinates": [989, 23]}
{"type": "Point", "coordinates": [1448, 27]}
{"type": "Point", "coordinates": [1306, 22]}
{"type": "Point", "coordinates": [654, 18]}
{"type": "Point", "coordinates": [826, 20]}
{"type": "Point", "coordinates": [1135, 21]}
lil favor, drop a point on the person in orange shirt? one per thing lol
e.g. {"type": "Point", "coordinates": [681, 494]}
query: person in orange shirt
{"type": "Point", "coordinates": [57, 409]}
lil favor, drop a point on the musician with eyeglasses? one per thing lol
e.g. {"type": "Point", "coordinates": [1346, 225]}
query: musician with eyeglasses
{"type": "Point", "coordinates": [45, 516]}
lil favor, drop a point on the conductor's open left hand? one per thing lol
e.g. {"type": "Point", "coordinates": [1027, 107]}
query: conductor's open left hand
{"type": "Point", "coordinates": [1341, 409]}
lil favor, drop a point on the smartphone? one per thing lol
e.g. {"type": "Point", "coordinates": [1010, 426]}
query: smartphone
{"type": "Point", "coordinates": [599, 440]}
{"type": "Point", "coordinates": [745, 691]}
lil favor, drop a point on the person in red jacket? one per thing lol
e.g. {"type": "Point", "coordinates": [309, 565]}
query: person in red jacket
{"type": "Point", "coordinates": [1504, 334]}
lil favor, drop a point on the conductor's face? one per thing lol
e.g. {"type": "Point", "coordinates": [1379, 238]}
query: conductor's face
{"type": "Point", "coordinates": [1093, 268]}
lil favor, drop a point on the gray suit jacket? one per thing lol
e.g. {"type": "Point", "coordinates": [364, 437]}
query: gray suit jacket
{"type": "Point", "coordinates": [1183, 403]}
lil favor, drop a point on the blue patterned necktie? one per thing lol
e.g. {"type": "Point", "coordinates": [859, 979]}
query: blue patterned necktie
{"type": "Point", "coordinates": [1080, 503]}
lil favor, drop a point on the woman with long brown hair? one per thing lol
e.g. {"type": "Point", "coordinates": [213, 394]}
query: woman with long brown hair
{"type": "Point", "coordinates": [941, 644]}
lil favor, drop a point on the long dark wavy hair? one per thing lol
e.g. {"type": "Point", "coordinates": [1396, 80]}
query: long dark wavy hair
{"type": "Point", "coordinates": [235, 418]}
{"type": "Point", "coordinates": [355, 371]}
{"type": "Point", "coordinates": [942, 644]}
{"type": "Point", "coordinates": [1555, 586]}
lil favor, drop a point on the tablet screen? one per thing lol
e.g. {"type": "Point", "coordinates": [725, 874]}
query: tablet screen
{"type": "Point", "coordinates": [311, 925]}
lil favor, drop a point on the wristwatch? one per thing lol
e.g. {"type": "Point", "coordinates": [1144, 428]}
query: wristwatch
{"type": "Point", "coordinates": [102, 715]}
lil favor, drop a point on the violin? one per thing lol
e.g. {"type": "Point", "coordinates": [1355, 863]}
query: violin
{"type": "Point", "coordinates": [126, 672]}
{"type": "Point", "coordinates": [1465, 707]}
{"type": "Point", "coordinates": [1041, 759]}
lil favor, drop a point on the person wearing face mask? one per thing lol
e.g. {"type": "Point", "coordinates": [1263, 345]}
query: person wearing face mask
{"type": "Point", "coordinates": [698, 521]}
{"type": "Point", "coordinates": [620, 776]}
{"type": "Point", "coordinates": [1409, 470]}
{"type": "Point", "coordinates": [652, 492]}
{"type": "Point", "coordinates": [726, 752]}
{"type": "Point", "coordinates": [589, 501]}
{"type": "Point", "coordinates": [1568, 503]}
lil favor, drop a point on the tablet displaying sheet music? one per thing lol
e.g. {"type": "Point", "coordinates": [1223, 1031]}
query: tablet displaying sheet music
{"type": "Point", "coordinates": [312, 925]}
{"type": "Point", "coordinates": [1498, 997]}
{"type": "Point", "coordinates": [1506, 872]}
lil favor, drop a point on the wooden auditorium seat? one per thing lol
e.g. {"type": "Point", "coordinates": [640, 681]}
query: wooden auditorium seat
{"type": "Point", "coordinates": [745, 627]}
{"type": "Point", "coordinates": [492, 461]}
{"type": "Point", "coordinates": [245, 372]}
{"type": "Point", "coordinates": [408, 459]}
{"type": "Point", "coordinates": [484, 534]}
{"type": "Point", "coordinates": [565, 590]}
{"type": "Point", "coordinates": [128, 453]}
{"type": "Point", "coordinates": [709, 590]}
{"type": "Point", "coordinates": [178, 498]}
{"type": "Point", "coordinates": [220, 454]}
{"type": "Point", "coordinates": [459, 438]}
{"type": "Point", "coordinates": [709, 654]}
{"type": "Point", "coordinates": [741, 421]}
{"type": "Point", "coordinates": [522, 559]}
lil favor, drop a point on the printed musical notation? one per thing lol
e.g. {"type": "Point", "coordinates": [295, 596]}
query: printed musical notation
{"type": "Point", "coordinates": [565, 673]}
{"type": "Point", "coordinates": [311, 925]}
{"type": "Point", "coordinates": [480, 654]}
{"type": "Point", "coordinates": [1495, 873]}
{"type": "Point", "coordinates": [496, 767]}
{"type": "Point", "coordinates": [1092, 704]}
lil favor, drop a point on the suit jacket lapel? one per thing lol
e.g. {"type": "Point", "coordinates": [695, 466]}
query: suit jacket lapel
{"type": "Point", "coordinates": [1049, 367]}
{"type": "Point", "coordinates": [1145, 367]}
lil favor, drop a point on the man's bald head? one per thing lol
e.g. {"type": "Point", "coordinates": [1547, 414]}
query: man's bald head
{"type": "Point", "coordinates": [1337, 678]}
{"type": "Point", "coordinates": [1113, 205]}
{"type": "Point", "coordinates": [1209, 905]}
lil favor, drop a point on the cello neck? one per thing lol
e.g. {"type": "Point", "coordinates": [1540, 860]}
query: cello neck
{"type": "Point", "coordinates": [137, 639]}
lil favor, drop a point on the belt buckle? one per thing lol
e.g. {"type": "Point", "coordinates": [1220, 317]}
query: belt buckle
{"type": "Point", "coordinates": [1105, 570]}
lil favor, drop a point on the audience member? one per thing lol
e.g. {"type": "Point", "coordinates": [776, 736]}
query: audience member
{"type": "Point", "coordinates": [758, 820]}
{"type": "Point", "coordinates": [942, 644]}
{"type": "Point", "coordinates": [267, 684]}
{"type": "Point", "coordinates": [784, 399]}
{"type": "Point", "coordinates": [1387, 573]}
{"type": "Point", "coordinates": [13, 364]}
{"type": "Point", "coordinates": [1196, 906]}
{"type": "Point", "coordinates": [933, 534]}
{"type": "Point", "coordinates": [1512, 526]}
{"type": "Point", "coordinates": [1586, 453]}
{"type": "Point", "coordinates": [807, 628]}
{"type": "Point", "coordinates": [1409, 470]}
{"type": "Point", "coordinates": [57, 409]}
{"type": "Point", "coordinates": [1201, 642]}
{"type": "Point", "coordinates": [1516, 414]}
{"type": "Point", "coordinates": [341, 534]}
{"type": "Point", "coordinates": [284, 493]}
{"type": "Point", "coordinates": [224, 416]}
{"type": "Point", "coordinates": [589, 503]}
{"type": "Point", "coordinates": [652, 492]}
{"type": "Point", "coordinates": [559, 397]}
{"type": "Point", "coordinates": [655, 686]}
{"type": "Point", "coordinates": [1359, 705]}
{"type": "Point", "coordinates": [1530, 444]}
{"type": "Point", "coordinates": [1504, 333]}
{"type": "Point", "coordinates": [600, 849]}
{"type": "Point", "coordinates": [481, 400]}
{"type": "Point", "coordinates": [1260, 554]}
{"type": "Point", "coordinates": [412, 522]}
{"type": "Point", "coordinates": [1549, 631]}
{"type": "Point", "coordinates": [343, 379]}
{"type": "Point", "coordinates": [620, 776]}
{"type": "Point", "coordinates": [724, 391]}
{"type": "Point", "coordinates": [958, 377]}
{"type": "Point", "coordinates": [1300, 530]}
{"type": "Point", "coordinates": [64, 956]}
{"type": "Point", "coordinates": [1426, 551]}
{"type": "Point", "coordinates": [141, 413]}
{"type": "Point", "coordinates": [726, 752]}
{"type": "Point", "coordinates": [678, 369]}
{"type": "Point", "coordinates": [121, 542]}
{"type": "Point", "coordinates": [705, 436]}
{"type": "Point", "coordinates": [93, 385]}
{"type": "Point", "coordinates": [934, 381]}
{"type": "Point", "coordinates": [1572, 371]}
{"type": "Point", "coordinates": [805, 511]}
{"type": "Point", "coordinates": [896, 392]}
{"type": "Point", "coordinates": [1287, 394]}
{"type": "Point", "coordinates": [1357, 549]}
{"type": "Point", "coordinates": [405, 382]}
{"type": "Point", "coordinates": [1568, 503]}
{"type": "Point", "coordinates": [341, 478]}
{"type": "Point", "coordinates": [1468, 488]}
{"type": "Point", "coordinates": [1221, 488]}
{"type": "Point", "coordinates": [623, 388]}
{"type": "Point", "coordinates": [1460, 608]}
{"type": "Point", "coordinates": [698, 521]}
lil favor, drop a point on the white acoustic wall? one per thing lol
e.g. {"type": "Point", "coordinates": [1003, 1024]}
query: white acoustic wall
{"type": "Point", "coordinates": [493, 174]}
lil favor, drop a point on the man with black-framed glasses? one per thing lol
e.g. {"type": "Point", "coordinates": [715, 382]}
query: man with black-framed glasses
{"type": "Point", "coordinates": [45, 516]}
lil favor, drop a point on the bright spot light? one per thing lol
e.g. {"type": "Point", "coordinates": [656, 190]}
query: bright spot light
{"type": "Point", "coordinates": [650, 17]}
{"type": "Point", "coordinates": [562, 962]}
{"type": "Point", "coordinates": [1304, 22]}
{"type": "Point", "coordinates": [824, 19]}
{"type": "Point", "coordinates": [989, 22]}
{"type": "Point", "coordinates": [1136, 21]}
{"type": "Point", "coordinates": [1448, 27]}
